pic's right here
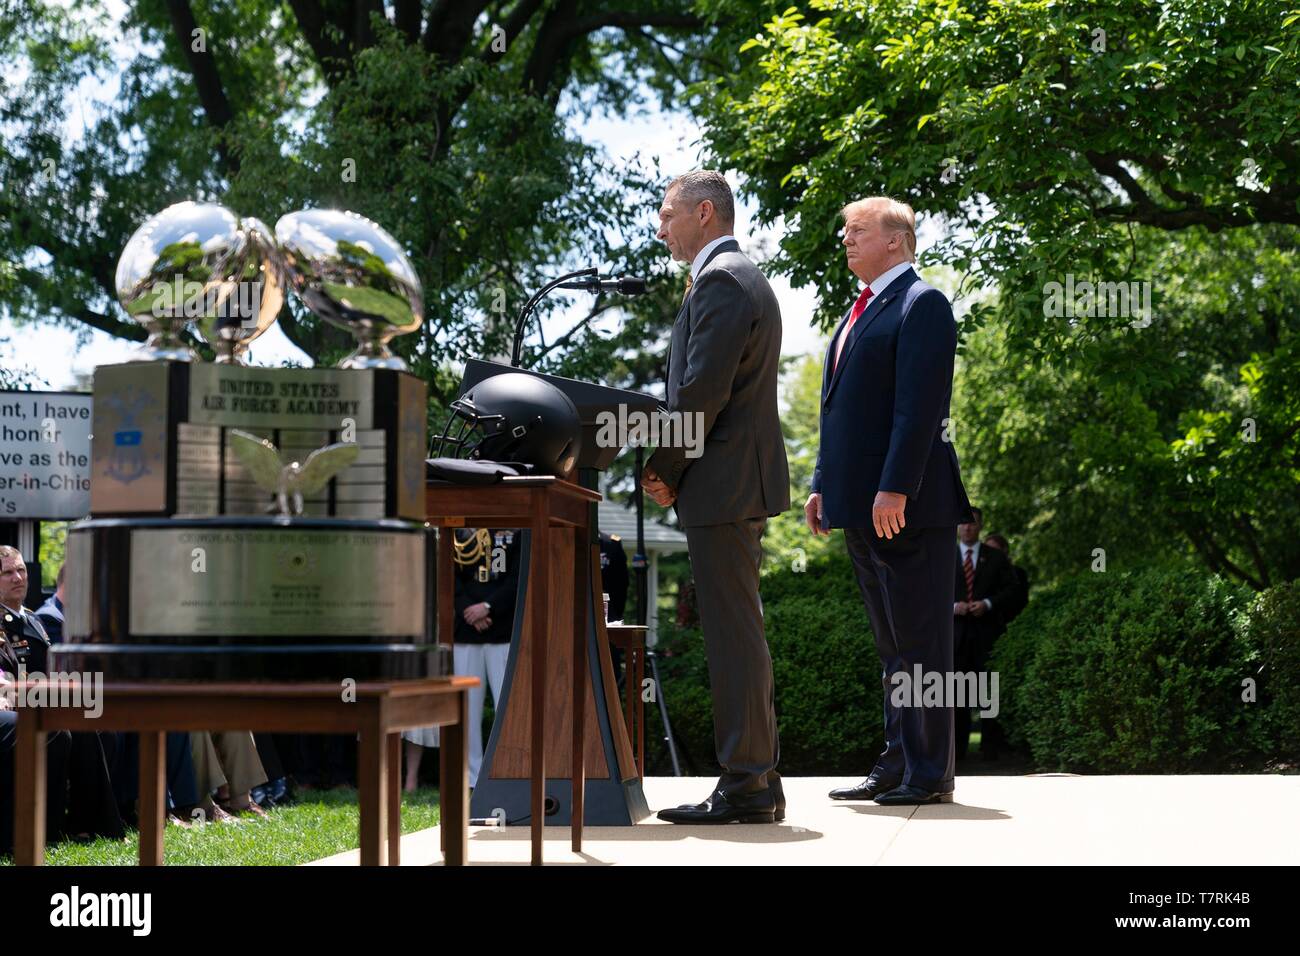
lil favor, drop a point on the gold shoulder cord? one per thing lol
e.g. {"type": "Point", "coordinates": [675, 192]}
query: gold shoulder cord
{"type": "Point", "coordinates": [472, 550]}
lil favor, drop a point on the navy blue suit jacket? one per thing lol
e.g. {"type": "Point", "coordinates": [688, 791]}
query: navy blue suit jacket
{"type": "Point", "coordinates": [883, 411]}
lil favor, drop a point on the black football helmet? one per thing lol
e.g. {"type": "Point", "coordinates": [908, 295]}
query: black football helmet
{"type": "Point", "coordinates": [513, 417]}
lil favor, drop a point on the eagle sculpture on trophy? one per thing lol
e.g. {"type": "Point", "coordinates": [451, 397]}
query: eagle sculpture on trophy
{"type": "Point", "coordinates": [290, 480]}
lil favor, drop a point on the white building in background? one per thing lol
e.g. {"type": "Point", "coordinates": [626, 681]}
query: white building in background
{"type": "Point", "coordinates": [618, 519]}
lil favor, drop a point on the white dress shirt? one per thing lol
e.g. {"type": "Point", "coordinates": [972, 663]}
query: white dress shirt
{"type": "Point", "coordinates": [878, 285]}
{"type": "Point", "coordinates": [702, 256]}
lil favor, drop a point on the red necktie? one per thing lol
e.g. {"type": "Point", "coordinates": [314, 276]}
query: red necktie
{"type": "Point", "coordinates": [969, 570]}
{"type": "Point", "coordinates": [858, 308]}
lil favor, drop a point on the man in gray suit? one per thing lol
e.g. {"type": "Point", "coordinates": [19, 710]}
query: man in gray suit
{"type": "Point", "coordinates": [722, 374]}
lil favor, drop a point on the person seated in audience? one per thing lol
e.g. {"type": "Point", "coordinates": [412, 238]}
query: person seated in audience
{"type": "Point", "coordinates": [182, 787]}
{"type": "Point", "coordinates": [227, 768]}
{"type": "Point", "coordinates": [83, 806]}
{"type": "Point", "coordinates": [56, 762]}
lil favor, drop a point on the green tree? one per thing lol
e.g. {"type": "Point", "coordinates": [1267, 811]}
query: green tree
{"type": "Point", "coordinates": [1041, 132]}
{"type": "Point", "coordinates": [787, 541]}
{"type": "Point", "coordinates": [447, 122]}
{"type": "Point", "coordinates": [1181, 436]}
{"type": "Point", "coordinates": [1054, 142]}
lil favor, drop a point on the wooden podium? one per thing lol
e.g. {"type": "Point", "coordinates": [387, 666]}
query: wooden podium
{"type": "Point", "coordinates": [560, 696]}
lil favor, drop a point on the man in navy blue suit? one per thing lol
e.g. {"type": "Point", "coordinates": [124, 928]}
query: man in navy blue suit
{"type": "Point", "coordinates": [887, 474]}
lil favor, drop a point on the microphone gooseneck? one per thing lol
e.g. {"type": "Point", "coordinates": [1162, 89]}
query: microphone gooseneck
{"type": "Point", "coordinates": [588, 280]}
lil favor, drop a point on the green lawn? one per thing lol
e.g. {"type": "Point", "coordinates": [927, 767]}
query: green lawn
{"type": "Point", "coordinates": [321, 824]}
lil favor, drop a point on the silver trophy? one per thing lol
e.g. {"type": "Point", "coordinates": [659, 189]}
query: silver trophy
{"type": "Point", "coordinates": [181, 266]}
{"type": "Point", "coordinates": [354, 275]}
{"type": "Point", "coordinates": [247, 302]}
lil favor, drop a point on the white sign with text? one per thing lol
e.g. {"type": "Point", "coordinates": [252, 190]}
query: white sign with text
{"type": "Point", "coordinates": [44, 455]}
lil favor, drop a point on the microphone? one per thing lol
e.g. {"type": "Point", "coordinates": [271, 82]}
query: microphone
{"type": "Point", "coordinates": [625, 285]}
{"type": "Point", "coordinates": [587, 279]}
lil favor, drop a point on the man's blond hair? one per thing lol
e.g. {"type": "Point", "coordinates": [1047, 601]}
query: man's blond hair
{"type": "Point", "coordinates": [895, 216]}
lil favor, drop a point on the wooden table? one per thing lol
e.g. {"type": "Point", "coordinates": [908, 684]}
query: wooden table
{"type": "Point", "coordinates": [376, 711]}
{"type": "Point", "coordinates": [536, 505]}
{"type": "Point", "coordinates": [630, 639]}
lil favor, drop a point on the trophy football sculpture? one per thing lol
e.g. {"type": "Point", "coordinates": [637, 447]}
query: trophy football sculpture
{"type": "Point", "coordinates": [200, 263]}
{"type": "Point", "coordinates": [354, 275]}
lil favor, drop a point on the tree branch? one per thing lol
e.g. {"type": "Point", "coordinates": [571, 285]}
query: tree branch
{"type": "Point", "coordinates": [451, 26]}
{"type": "Point", "coordinates": [92, 262]}
{"type": "Point", "coordinates": [1216, 557]}
{"type": "Point", "coordinates": [406, 17]}
{"type": "Point", "coordinates": [1146, 211]}
{"type": "Point", "coordinates": [663, 45]}
{"type": "Point", "coordinates": [363, 35]}
{"type": "Point", "coordinates": [552, 36]}
{"type": "Point", "coordinates": [332, 55]}
{"type": "Point", "coordinates": [207, 79]}
{"type": "Point", "coordinates": [562, 26]}
{"type": "Point", "coordinates": [568, 336]}
{"type": "Point", "coordinates": [1108, 164]}
{"type": "Point", "coordinates": [518, 18]}
{"type": "Point", "coordinates": [629, 20]}
{"type": "Point", "coordinates": [659, 47]}
{"type": "Point", "coordinates": [1252, 545]}
{"type": "Point", "coordinates": [40, 284]}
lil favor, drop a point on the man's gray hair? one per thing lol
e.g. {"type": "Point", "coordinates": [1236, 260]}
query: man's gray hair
{"type": "Point", "coordinates": [701, 184]}
{"type": "Point", "coordinates": [9, 551]}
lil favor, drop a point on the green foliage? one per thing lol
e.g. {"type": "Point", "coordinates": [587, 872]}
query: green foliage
{"type": "Point", "coordinates": [11, 377]}
{"type": "Point", "coordinates": [466, 153]}
{"type": "Point", "coordinates": [1136, 440]}
{"type": "Point", "coordinates": [1132, 672]}
{"type": "Point", "coordinates": [1118, 142]}
{"type": "Point", "coordinates": [54, 539]}
{"type": "Point", "coordinates": [1056, 134]}
{"type": "Point", "coordinates": [1136, 671]}
{"type": "Point", "coordinates": [1274, 636]}
{"type": "Point", "coordinates": [787, 542]}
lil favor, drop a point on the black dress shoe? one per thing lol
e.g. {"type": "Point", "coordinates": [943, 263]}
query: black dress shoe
{"type": "Point", "coordinates": [868, 789]}
{"type": "Point", "coordinates": [778, 798]}
{"type": "Point", "coordinates": [724, 807]}
{"type": "Point", "coordinates": [906, 796]}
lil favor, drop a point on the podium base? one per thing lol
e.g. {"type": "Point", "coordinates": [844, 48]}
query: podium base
{"type": "Point", "coordinates": [609, 803]}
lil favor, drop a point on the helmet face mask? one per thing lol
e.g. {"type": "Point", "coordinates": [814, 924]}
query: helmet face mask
{"type": "Point", "coordinates": [513, 417]}
{"type": "Point", "coordinates": [471, 430]}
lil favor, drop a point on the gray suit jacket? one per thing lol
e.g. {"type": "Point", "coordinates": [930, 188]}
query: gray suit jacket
{"type": "Point", "coordinates": [723, 363]}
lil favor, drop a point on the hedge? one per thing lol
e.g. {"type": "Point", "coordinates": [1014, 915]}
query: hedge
{"type": "Point", "coordinates": [1140, 671]}
{"type": "Point", "coordinates": [1131, 672]}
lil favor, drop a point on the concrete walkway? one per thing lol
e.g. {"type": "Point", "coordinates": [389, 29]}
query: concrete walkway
{"type": "Point", "coordinates": [1044, 818]}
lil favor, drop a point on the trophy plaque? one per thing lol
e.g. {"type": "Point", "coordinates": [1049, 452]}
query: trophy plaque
{"type": "Point", "coordinates": [161, 443]}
